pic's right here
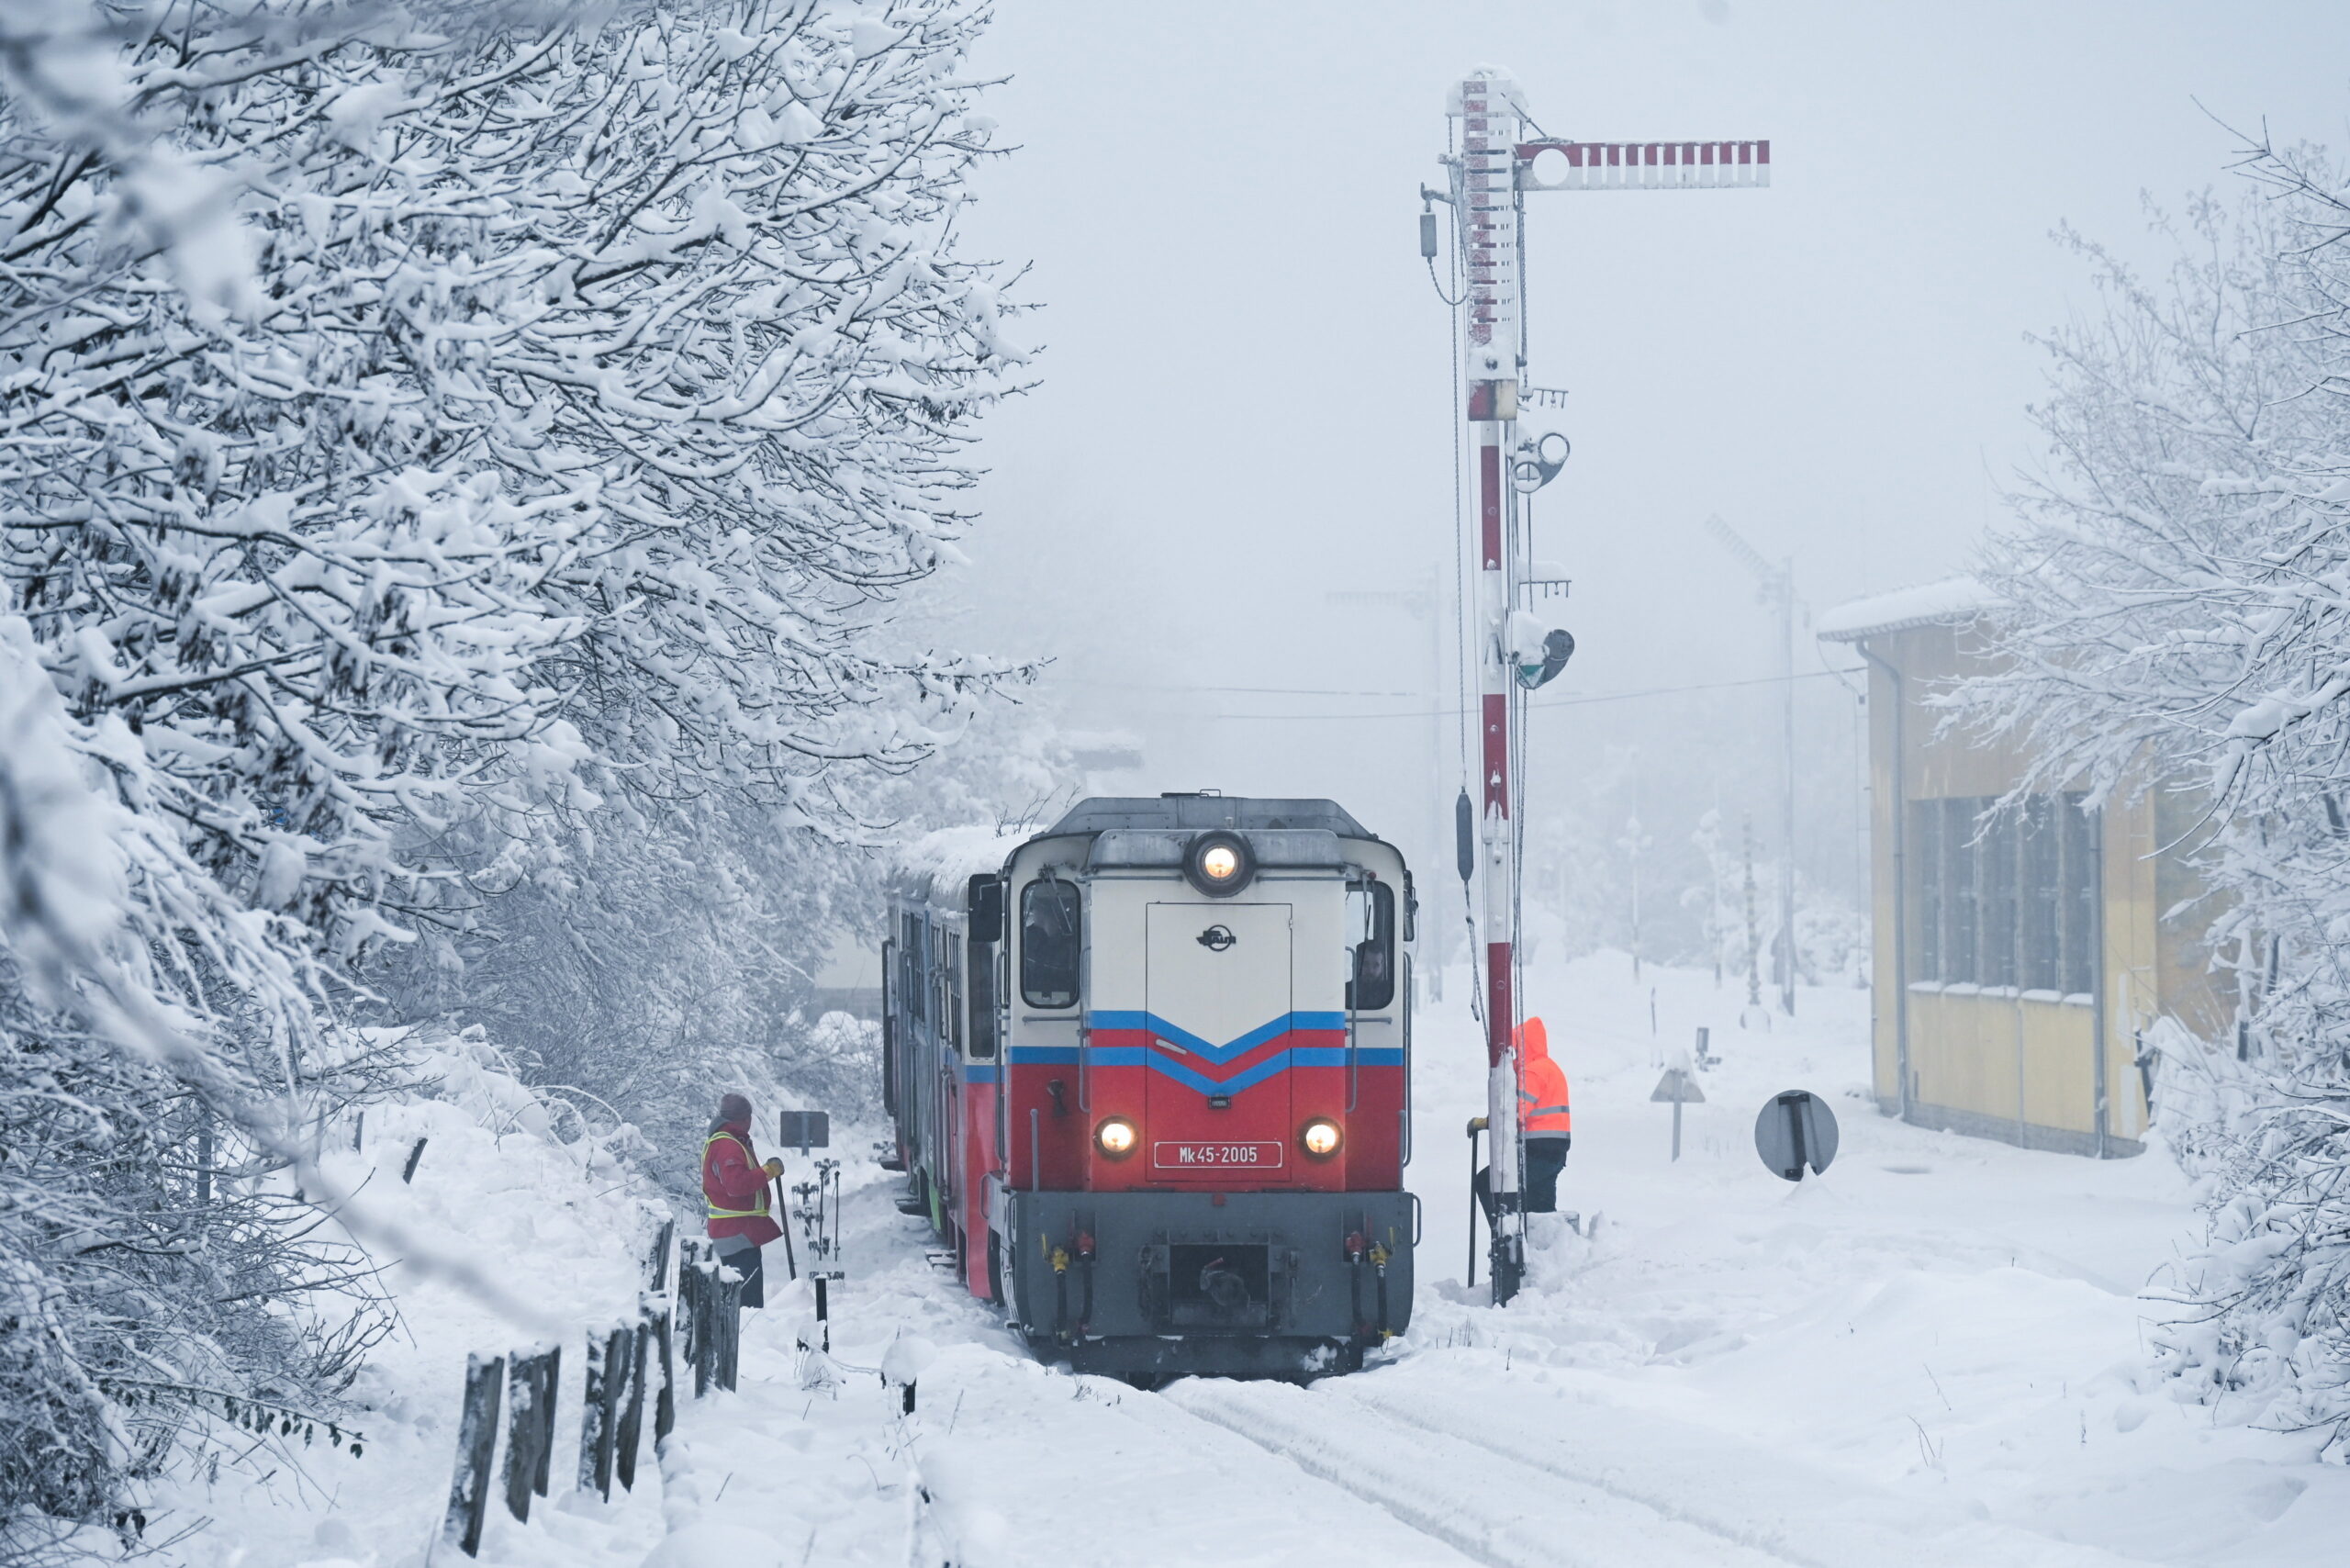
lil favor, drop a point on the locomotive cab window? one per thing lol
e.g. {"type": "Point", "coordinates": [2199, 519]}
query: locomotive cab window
{"type": "Point", "coordinates": [1371, 926]}
{"type": "Point", "coordinates": [1049, 944]}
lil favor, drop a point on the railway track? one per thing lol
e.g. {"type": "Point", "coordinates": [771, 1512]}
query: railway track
{"type": "Point", "coordinates": [1601, 1486]}
{"type": "Point", "coordinates": [1493, 1506]}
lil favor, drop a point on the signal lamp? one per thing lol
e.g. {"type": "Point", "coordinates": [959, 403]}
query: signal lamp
{"type": "Point", "coordinates": [1116, 1138]}
{"type": "Point", "coordinates": [1320, 1139]}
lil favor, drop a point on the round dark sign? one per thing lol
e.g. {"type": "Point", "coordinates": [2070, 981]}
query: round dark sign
{"type": "Point", "coordinates": [1795, 1131]}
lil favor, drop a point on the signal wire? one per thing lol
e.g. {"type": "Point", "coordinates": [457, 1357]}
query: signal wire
{"type": "Point", "coordinates": [1556, 702]}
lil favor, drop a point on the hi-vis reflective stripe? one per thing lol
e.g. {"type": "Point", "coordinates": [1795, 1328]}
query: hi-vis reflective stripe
{"type": "Point", "coordinates": [717, 1212]}
{"type": "Point", "coordinates": [1550, 1109]}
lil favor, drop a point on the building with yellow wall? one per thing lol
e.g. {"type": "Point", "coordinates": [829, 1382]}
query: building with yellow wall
{"type": "Point", "coordinates": [2018, 955]}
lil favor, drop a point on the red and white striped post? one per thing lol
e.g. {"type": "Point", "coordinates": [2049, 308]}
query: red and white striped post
{"type": "Point", "coordinates": [1486, 204]}
{"type": "Point", "coordinates": [1496, 166]}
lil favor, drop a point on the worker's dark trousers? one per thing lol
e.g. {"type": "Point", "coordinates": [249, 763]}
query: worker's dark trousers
{"type": "Point", "coordinates": [745, 1261]}
{"type": "Point", "coordinates": [1546, 1156]}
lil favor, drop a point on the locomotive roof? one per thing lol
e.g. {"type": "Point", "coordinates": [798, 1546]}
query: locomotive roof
{"type": "Point", "coordinates": [1241, 811]}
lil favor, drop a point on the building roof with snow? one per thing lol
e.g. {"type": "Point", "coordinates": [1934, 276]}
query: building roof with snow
{"type": "Point", "coordinates": [1948, 601]}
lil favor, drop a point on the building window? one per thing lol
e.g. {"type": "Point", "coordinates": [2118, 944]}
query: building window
{"type": "Point", "coordinates": [1997, 883]}
{"type": "Point", "coordinates": [2040, 935]}
{"type": "Point", "coordinates": [1925, 865]}
{"type": "Point", "coordinates": [2078, 843]}
{"type": "Point", "coordinates": [1961, 898]}
{"type": "Point", "coordinates": [2003, 901]}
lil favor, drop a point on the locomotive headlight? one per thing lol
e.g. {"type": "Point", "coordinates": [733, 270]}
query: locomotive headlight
{"type": "Point", "coordinates": [1219, 864]}
{"type": "Point", "coordinates": [1116, 1138]}
{"type": "Point", "coordinates": [1320, 1139]}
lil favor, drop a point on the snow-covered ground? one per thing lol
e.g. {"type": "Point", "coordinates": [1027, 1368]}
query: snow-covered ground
{"type": "Point", "coordinates": [562, 1232]}
{"type": "Point", "coordinates": [1932, 1355]}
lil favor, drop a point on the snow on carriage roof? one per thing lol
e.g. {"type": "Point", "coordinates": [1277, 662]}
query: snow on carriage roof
{"type": "Point", "coordinates": [1924, 604]}
{"type": "Point", "coordinates": [940, 863]}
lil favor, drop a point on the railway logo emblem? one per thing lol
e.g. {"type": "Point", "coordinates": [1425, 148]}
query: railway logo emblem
{"type": "Point", "coordinates": [1216, 939]}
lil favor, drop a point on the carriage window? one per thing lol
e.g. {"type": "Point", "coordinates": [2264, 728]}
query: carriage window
{"type": "Point", "coordinates": [916, 978]}
{"type": "Point", "coordinates": [950, 988]}
{"type": "Point", "coordinates": [982, 1001]}
{"type": "Point", "coordinates": [1049, 944]}
{"type": "Point", "coordinates": [1370, 924]}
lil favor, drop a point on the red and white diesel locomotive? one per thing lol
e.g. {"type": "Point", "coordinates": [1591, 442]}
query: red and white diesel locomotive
{"type": "Point", "coordinates": [1150, 1075]}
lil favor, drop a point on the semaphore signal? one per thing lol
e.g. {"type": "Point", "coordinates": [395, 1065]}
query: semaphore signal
{"type": "Point", "coordinates": [1496, 164]}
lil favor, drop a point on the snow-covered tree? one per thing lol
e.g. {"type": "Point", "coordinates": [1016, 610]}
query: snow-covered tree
{"type": "Point", "coordinates": [431, 436]}
{"type": "Point", "coordinates": [2177, 619]}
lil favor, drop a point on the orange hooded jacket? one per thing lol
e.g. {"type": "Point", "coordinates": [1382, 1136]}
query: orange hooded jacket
{"type": "Point", "coordinates": [1543, 1106]}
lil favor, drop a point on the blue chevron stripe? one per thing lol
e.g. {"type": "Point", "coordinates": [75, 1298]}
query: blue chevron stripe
{"type": "Point", "coordinates": [1279, 1062]}
{"type": "Point", "coordinates": [1219, 1053]}
{"type": "Point", "coordinates": [1302, 1055]}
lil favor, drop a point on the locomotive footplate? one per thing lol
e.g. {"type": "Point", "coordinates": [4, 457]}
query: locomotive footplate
{"type": "Point", "coordinates": [1269, 1283]}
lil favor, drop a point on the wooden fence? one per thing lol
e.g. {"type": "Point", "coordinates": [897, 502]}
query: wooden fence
{"type": "Point", "coordinates": [622, 1363]}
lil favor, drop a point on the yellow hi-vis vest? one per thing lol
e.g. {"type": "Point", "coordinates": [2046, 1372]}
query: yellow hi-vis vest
{"type": "Point", "coordinates": [715, 1212]}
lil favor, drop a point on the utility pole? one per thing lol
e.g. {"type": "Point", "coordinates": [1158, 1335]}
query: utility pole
{"type": "Point", "coordinates": [1777, 586]}
{"type": "Point", "coordinates": [1492, 168]}
{"type": "Point", "coordinates": [1753, 938]}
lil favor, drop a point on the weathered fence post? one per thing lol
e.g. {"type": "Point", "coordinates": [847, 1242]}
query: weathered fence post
{"type": "Point", "coordinates": [665, 1407]}
{"type": "Point", "coordinates": [408, 1171]}
{"type": "Point", "coordinates": [591, 1413]}
{"type": "Point", "coordinates": [695, 1287]}
{"type": "Point", "coordinates": [711, 1297]}
{"type": "Point", "coordinates": [657, 1265]}
{"type": "Point", "coordinates": [476, 1443]}
{"type": "Point", "coordinates": [531, 1384]}
{"type": "Point", "coordinates": [727, 1339]}
{"type": "Point", "coordinates": [608, 1360]}
{"type": "Point", "coordinates": [632, 1430]}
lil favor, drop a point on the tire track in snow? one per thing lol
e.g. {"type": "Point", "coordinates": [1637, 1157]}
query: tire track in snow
{"type": "Point", "coordinates": [1487, 1505]}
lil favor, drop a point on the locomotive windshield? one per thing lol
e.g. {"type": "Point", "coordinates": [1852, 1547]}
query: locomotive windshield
{"type": "Point", "coordinates": [1049, 944]}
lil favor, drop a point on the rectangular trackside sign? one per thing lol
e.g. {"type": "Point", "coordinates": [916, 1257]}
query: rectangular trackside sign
{"type": "Point", "coordinates": [1252, 1156]}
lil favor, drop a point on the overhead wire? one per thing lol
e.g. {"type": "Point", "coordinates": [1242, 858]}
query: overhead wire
{"type": "Point", "coordinates": [1554, 702]}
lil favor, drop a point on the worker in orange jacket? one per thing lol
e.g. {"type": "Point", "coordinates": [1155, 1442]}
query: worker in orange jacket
{"type": "Point", "coordinates": [1545, 1119]}
{"type": "Point", "coordinates": [734, 1187]}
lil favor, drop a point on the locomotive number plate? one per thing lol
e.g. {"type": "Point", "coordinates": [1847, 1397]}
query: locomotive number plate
{"type": "Point", "coordinates": [1215, 1155]}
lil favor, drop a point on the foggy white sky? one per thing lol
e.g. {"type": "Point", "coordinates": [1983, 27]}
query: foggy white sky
{"type": "Point", "coordinates": [1245, 400]}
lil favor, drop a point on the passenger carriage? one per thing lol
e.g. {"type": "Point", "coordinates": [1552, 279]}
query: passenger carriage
{"type": "Point", "coordinates": [1149, 1073]}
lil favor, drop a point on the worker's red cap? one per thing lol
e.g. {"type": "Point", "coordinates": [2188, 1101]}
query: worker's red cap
{"type": "Point", "coordinates": [733, 1108]}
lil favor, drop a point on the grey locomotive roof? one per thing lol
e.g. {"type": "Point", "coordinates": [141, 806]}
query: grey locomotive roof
{"type": "Point", "coordinates": [1104, 812]}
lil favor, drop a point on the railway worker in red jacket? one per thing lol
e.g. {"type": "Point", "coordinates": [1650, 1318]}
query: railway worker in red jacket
{"type": "Point", "coordinates": [735, 1186]}
{"type": "Point", "coordinates": [1544, 1117]}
